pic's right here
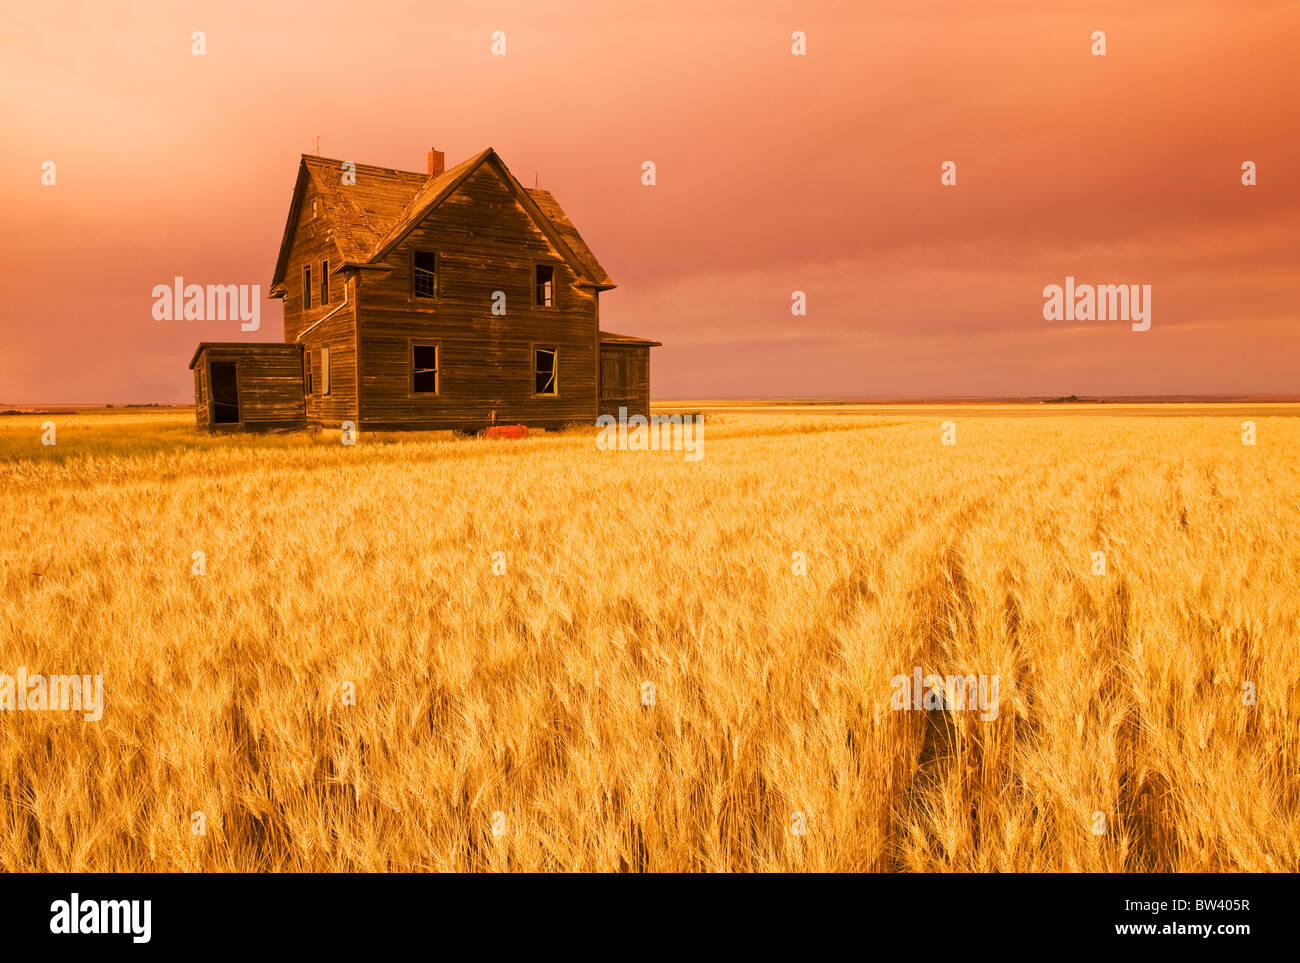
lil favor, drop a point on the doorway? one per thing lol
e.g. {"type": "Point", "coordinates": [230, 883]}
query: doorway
{"type": "Point", "coordinates": [223, 376]}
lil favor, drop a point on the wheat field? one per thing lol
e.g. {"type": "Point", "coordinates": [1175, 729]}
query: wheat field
{"type": "Point", "coordinates": [423, 653]}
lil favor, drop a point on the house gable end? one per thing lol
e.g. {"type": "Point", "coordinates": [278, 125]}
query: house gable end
{"type": "Point", "coordinates": [463, 213]}
{"type": "Point", "coordinates": [307, 190]}
{"type": "Point", "coordinates": [290, 227]}
{"type": "Point", "coordinates": [446, 187]}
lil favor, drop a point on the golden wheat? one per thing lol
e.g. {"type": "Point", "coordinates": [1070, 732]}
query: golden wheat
{"type": "Point", "coordinates": [370, 569]}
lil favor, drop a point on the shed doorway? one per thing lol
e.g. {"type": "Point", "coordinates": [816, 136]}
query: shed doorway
{"type": "Point", "coordinates": [223, 376]}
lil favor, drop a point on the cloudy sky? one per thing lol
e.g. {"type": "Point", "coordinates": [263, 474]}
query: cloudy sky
{"type": "Point", "coordinates": [776, 173]}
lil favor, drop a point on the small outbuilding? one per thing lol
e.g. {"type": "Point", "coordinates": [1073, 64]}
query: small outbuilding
{"type": "Point", "coordinates": [624, 373]}
{"type": "Point", "coordinates": [244, 386]}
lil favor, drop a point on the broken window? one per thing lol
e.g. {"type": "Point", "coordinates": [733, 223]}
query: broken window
{"type": "Point", "coordinates": [324, 371]}
{"type": "Point", "coordinates": [224, 380]}
{"type": "Point", "coordinates": [424, 369]}
{"type": "Point", "coordinates": [306, 372]}
{"type": "Point", "coordinates": [424, 274]}
{"type": "Point", "coordinates": [324, 282]}
{"type": "Point", "coordinates": [544, 368]}
{"type": "Point", "coordinates": [544, 285]}
{"type": "Point", "coordinates": [306, 287]}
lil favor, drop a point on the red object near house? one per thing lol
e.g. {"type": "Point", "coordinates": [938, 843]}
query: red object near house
{"type": "Point", "coordinates": [507, 431]}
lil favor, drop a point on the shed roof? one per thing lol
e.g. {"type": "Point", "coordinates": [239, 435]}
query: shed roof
{"type": "Point", "coordinates": [609, 337]}
{"type": "Point", "coordinates": [248, 347]}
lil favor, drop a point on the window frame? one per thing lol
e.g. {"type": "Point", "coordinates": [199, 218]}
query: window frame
{"type": "Point", "coordinates": [555, 284]}
{"type": "Point", "coordinates": [325, 371]}
{"type": "Point", "coordinates": [411, 345]}
{"type": "Point", "coordinates": [324, 282]}
{"type": "Point", "coordinates": [308, 388]}
{"type": "Point", "coordinates": [306, 287]}
{"type": "Point", "coordinates": [532, 375]}
{"type": "Point", "coordinates": [437, 277]}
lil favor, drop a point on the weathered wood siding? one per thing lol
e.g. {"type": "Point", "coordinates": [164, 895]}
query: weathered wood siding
{"type": "Point", "coordinates": [270, 387]}
{"type": "Point", "coordinates": [200, 394]}
{"type": "Point", "coordinates": [624, 378]}
{"type": "Point", "coordinates": [338, 333]}
{"type": "Point", "coordinates": [485, 242]}
{"type": "Point", "coordinates": [311, 244]}
{"type": "Point", "coordinates": [334, 322]}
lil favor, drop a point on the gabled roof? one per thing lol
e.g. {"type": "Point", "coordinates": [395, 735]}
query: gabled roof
{"type": "Point", "coordinates": [550, 207]}
{"type": "Point", "coordinates": [433, 191]}
{"type": "Point", "coordinates": [356, 215]}
{"type": "Point", "coordinates": [367, 219]}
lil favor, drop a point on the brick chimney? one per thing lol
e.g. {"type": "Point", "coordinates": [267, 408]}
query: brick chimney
{"type": "Point", "coordinates": [437, 162]}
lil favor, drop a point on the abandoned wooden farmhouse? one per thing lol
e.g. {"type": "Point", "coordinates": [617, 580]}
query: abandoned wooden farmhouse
{"type": "Point", "coordinates": [449, 299]}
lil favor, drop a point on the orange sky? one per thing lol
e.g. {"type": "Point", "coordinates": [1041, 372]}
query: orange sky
{"type": "Point", "coordinates": [775, 173]}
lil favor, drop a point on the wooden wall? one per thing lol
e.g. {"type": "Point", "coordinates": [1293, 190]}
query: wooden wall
{"type": "Point", "coordinates": [485, 242]}
{"type": "Point", "coordinates": [201, 393]}
{"type": "Point", "coordinates": [338, 333]}
{"type": "Point", "coordinates": [311, 244]}
{"type": "Point", "coordinates": [270, 387]}
{"type": "Point", "coordinates": [624, 378]}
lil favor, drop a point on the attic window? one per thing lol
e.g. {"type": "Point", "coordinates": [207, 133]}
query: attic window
{"type": "Point", "coordinates": [544, 379]}
{"type": "Point", "coordinates": [324, 282]}
{"type": "Point", "coordinates": [424, 274]}
{"type": "Point", "coordinates": [424, 369]}
{"type": "Point", "coordinates": [544, 285]}
{"type": "Point", "coordinates": [306, 287]}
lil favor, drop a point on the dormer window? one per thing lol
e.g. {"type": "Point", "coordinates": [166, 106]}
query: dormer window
{"type": "Point", "coordinates": [424, 275]}
{"type": "Point", "coordinates": [544, 285]}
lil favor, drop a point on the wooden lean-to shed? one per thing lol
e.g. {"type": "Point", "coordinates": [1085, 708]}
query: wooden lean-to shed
{"type": "Point", "coordinates": [624, 373]}
{"type": "Point", "coordinates": [242, 386]}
